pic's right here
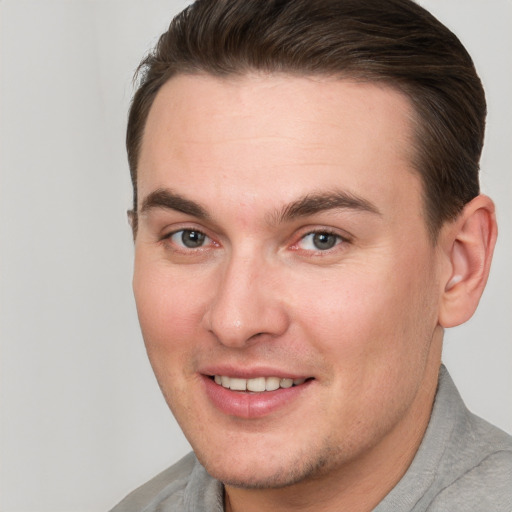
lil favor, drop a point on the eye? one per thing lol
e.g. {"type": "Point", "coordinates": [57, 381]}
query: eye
{"type": "Point", "coordinates": [319, 241]}
{"type": "Point", "coordinates": [189, 238]}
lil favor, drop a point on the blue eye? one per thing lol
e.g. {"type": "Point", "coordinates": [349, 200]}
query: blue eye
{"type": "Point", "coordinates": [319, 241]}
{"type": "Point", "coordinates": [189, 238]}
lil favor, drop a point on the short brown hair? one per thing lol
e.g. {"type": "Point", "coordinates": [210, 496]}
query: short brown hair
{"type": "Point", "coordinates": [395, 42]}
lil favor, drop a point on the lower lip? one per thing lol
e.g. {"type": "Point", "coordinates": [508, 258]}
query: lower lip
{"type": "Point", "coordinates": [249, 405]}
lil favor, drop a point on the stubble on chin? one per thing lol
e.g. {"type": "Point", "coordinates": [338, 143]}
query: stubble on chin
{"type": "Point", "coordinates": [305, 467]}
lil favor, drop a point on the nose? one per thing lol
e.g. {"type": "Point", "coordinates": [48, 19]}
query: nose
{"type": "Point", "coordinates": [246, 305]}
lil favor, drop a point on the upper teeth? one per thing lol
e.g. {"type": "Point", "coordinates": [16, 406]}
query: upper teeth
{"type": "Point", "coordinates": [257, 384]}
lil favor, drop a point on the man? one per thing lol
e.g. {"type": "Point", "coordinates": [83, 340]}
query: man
{"type": "Point", "coordinates": [307, 221]}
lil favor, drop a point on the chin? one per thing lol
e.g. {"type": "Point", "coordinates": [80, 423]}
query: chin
{"type": "Point", "coordinates": [268, 474]}
{"type": "Point", "coordinates": [259, 479]}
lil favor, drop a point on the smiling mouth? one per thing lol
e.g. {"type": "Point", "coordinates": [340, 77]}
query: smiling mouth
{"type": "Point", "coordinates": [257, 384]}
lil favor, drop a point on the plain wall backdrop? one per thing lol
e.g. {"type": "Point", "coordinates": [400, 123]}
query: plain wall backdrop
{"type": "Point", "coordinates": [82, 419]}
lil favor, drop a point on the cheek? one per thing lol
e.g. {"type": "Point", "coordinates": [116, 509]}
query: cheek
{"type": "Point", "coordinates": [373, 333]}
{"type": "Point", "coordinates": [369, 314]}
{"type": "Point", "coordinates": [169, 310]}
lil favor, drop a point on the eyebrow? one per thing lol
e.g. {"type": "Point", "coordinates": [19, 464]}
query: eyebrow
{"type": "Point", "coordinates": [307, 205]}
{"type": "Point", "coordinates": [164, 198]}
{"type": "Point", "coordinates": [314, 203]}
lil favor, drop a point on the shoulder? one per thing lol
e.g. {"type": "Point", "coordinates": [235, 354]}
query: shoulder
{"type": "Point", "coordinates": [487, 487]}
{"type": "Point", "coordinates": [478, 475]}
{"type": "Point", "coordinates": [475, 470]}
{"type": "Point", "coordinates": [169, 486]}
{"type": "Point", "coordinates": [463, 463]}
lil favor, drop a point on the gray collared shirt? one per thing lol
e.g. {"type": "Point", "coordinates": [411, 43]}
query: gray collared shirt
{"type": "Point", "coordinates": [463, 464]}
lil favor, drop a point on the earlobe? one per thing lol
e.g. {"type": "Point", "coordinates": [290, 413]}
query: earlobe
{"type": "Point", "coordinates": [471, 239]}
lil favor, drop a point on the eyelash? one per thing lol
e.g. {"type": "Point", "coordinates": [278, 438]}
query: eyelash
{"type": "Point", "coordinates": [339, 240]}
{"type": "Point", "coordinates": [181, 247]}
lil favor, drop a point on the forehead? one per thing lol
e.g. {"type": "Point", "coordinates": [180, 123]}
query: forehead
{"type": "Point", "coordinates": [276, 137]}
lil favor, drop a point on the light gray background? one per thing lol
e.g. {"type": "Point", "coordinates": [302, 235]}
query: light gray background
{"type": "Point", "coordinates": [82, 419]}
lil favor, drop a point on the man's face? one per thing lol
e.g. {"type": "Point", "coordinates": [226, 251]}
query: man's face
{"type": "Point", "coordinates": [281, 239]}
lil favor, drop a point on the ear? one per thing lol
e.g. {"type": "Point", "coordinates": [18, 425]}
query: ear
{"type": "Point", "coordinates": [132, 220]}
{"type": "Point", "coordinates": [469, 243]}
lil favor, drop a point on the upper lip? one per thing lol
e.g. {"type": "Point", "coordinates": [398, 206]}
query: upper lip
{"type": "Point", "coordinates": [251, 373]}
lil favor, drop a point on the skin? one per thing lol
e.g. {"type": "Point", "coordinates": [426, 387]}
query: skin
{"type": "Point", "coordinates": [360, 319]}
